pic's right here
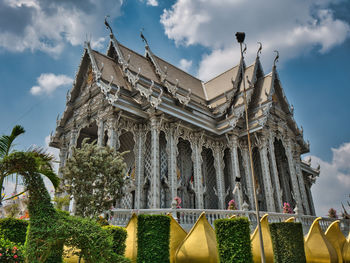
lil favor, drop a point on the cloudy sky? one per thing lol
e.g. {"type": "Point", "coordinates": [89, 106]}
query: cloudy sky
{"type": "Point", "coordinates": [41, 43]}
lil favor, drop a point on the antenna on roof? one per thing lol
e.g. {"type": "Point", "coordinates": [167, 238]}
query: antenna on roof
{"type": "Point", "coordinates": [259, 50]}
{"type": "Point", "coordinates": [107, 25]}
{"type": "Point", "coordinates": [276, 58]}
{"type": "Point", "coordinates": [143, 37]}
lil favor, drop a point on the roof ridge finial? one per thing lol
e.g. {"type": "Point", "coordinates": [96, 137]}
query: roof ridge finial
{"type": "Point", "coordinates": [143, 37]}
{"type": "Point", "coordinates": [276, 58]}
{"type": "Point", "coordinates": [107, 25]}
{"type": "Point", "coordinates": [259, 50]}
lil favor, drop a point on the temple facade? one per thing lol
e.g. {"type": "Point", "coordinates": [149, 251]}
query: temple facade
{"type": "Point", "coordinates": [186, 137]}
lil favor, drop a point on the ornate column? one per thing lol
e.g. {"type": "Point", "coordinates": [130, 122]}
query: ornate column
{"type": "Point", "coordinates": [266, 175]}
{"type": "Point", "coordinates": [172, 140]}
{"type": "Point", "coordinates": [304, 199]}
{"type": "Point", "coordinates": [113, 134]}
{"type": "Point", "coordinates": [245, 156]}
{"type": "Point", "coordinates": [274, 172]}
{"type": "Point", "coordinates": [291, 164]}
{"type": "Point", "coordinates": [196, 146]}
{"type": "Point", "coordinates": [235, 170]}
{"type": "Point", "coordinates": [63, 154]}
{"type": "Point", "coordinates": [139, 152]}
{"type": "Point", "coordinates": [218, 151]}
{"type": "Point", "coordinates": [100, 131]}
{"type": "Point", "coordinates": [155, 180]}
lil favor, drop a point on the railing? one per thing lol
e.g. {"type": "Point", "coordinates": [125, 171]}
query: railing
{"type": "Point", "coordinates": [187, 217]}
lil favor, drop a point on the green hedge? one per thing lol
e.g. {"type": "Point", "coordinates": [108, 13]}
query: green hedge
{"type": "Point", "coordinates": [233, 240]}
{"type": "Point", "coordinates": [14, 229]}
{"type": "Point", "coordinates": [119, 235]}
{"type": "Point", "coordinates": [153, 234]}
{"type": "Point", "coordinates": [287, 242]}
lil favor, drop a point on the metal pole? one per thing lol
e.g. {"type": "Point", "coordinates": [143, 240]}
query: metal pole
{"type": "Point", "coordinates": [251, 165]}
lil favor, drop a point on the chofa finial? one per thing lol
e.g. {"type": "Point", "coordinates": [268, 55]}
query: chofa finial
{"type": "Point", "coordinates": [259, 50]}
{"type": "Point", "coordinates": [107, 24]}
{"type": "Point", "coordinates": [143, 37]}
{"type": "Point", "coordinates": [276, 58]}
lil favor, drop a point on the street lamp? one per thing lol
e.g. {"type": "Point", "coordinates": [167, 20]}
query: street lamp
{"type": "Point", "coordinates": [240, 38]}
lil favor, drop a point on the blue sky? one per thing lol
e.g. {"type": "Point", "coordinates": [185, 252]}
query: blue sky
{"type": "Point", "coordinates": [41, 43]}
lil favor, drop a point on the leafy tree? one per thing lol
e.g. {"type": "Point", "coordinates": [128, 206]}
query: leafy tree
{"type": "Point", "coordinates": [94, 177]}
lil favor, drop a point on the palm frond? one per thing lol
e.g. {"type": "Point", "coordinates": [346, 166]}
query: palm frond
{"type": "Point", "coordinates": [6, 141]}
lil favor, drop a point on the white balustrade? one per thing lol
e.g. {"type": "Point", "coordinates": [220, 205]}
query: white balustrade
{"type": "Point", "coordinates": [188, 217]}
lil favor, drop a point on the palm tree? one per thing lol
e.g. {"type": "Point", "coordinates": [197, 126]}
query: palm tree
{"type": "Point", "coordinates": [11, 164]}
{"type": "Point", "coordinates": [6, 145]}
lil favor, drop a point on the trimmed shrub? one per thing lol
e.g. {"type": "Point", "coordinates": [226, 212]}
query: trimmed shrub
{"type": "Point", "coordinates": [119, 235]}
{"type": "Point", "coordinates": [14, 230]}
{"type": "Point", "coordinates": [287, 242]}
{"type": "Point", "coordinates": [233, 240]}
{"type": "Point", "coordinates": [153, 234]}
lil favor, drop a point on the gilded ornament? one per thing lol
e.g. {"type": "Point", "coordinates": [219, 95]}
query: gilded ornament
{"type": "Point", "coordinates": [317, 248]}
{"type": "Point", "coordinates": [290, 220]}
{"type": "Point", "coordinates": [264, 223]}
{"type": "Point", "coordinates": [346, 250]}
{"type": "Point", "coordinates": [131, 240]}
{"type": "Point", "coordinates": [199, 245]}
{"type": "Point", "coordinates": [336, 238]}
{"type": "Point", "coordinates": [177, 235]}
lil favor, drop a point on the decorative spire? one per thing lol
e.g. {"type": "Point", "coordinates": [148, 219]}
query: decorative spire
{"type": "Point", "coordinates": [276, 58]}
{"type": "Point", "coordinates": [107, 25]}
{"type": "Point", "coordinates": [259, 50]}
{"type": "Point", "coordinates": [143, 38]}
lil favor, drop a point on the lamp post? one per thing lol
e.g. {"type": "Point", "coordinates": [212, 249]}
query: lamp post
{"type": "Point", "coordinates": [240, 38]}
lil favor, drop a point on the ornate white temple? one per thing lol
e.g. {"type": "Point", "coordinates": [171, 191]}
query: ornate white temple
{"type": "Point", "coordinates": [187, 137]}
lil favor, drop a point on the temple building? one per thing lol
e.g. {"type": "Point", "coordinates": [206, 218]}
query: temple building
{"type": "Point", "coordinates": [186, 137]}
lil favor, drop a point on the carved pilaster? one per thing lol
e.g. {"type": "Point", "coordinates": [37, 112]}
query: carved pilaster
{"type": "Point", "coordinates": [139, 152]}
{"type": "Point", "coordinates": [218, 152]}
{"type": "Point", "coordinates": [233, 144]}
{"type": "Point", "coordinates": [266, 175]}
{"type": "Point", "coordinates": [196, 146]}
{"type": "Point", "coordinates": [291, 163]}
{"type": "Point", "coordinates": [274, 172]}
{"type": "Point", "coordinates": [172, 140]}
{"type": "Point", "coordinates": [245, 156]}
{"type": "Point", "coordinates": [72, 141]}
{"type": "Point", "coordinates": [100, 131]}
{"type": "Point", "coordinates": [155, 180]}
{"type": "Point", "coordinates": [299, 173]}
{"type": "Point", "coordinates": [63, 154]}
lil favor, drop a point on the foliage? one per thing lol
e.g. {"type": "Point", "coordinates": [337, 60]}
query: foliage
{"type": "Point", "coordinates": [119, 235]}
{"type": "Point", "coordinates": [332, 213]}
{"type": "Point", "coordinates": [6, 144]}
{"type": "Point", "coordinates": [153, 234]}
{"type": "Point", "coordinates": [233, 240]}
{"type": "Point", "coordinates": [287, 242]}
{"type": "Point", "coordinates": [287, 209]}
{"type": "Point", "coordinates": [10, 252]}
{"type": "Point", "coordinates": [61, 201]}
{"type": "Point", "coordinates": [232, 205]}
{"type": "Point", "coordinates": [94, 176]}
{"type": "Point", "coordinates": [13, 229]}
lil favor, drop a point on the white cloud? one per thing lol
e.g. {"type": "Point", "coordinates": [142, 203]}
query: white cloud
{"type": "Point", "coordinates": [152, 2]}
{"type": "Point", "coordinates": [333, 185]}
{"type": "Point", "coordinates": [49, 82]}
{"type": "Point", "coordinates": [292, 27]}
{"type": "Point", "coordinates": [48, 25]}
{"type": "Point", "coordinates": [185, 64]}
